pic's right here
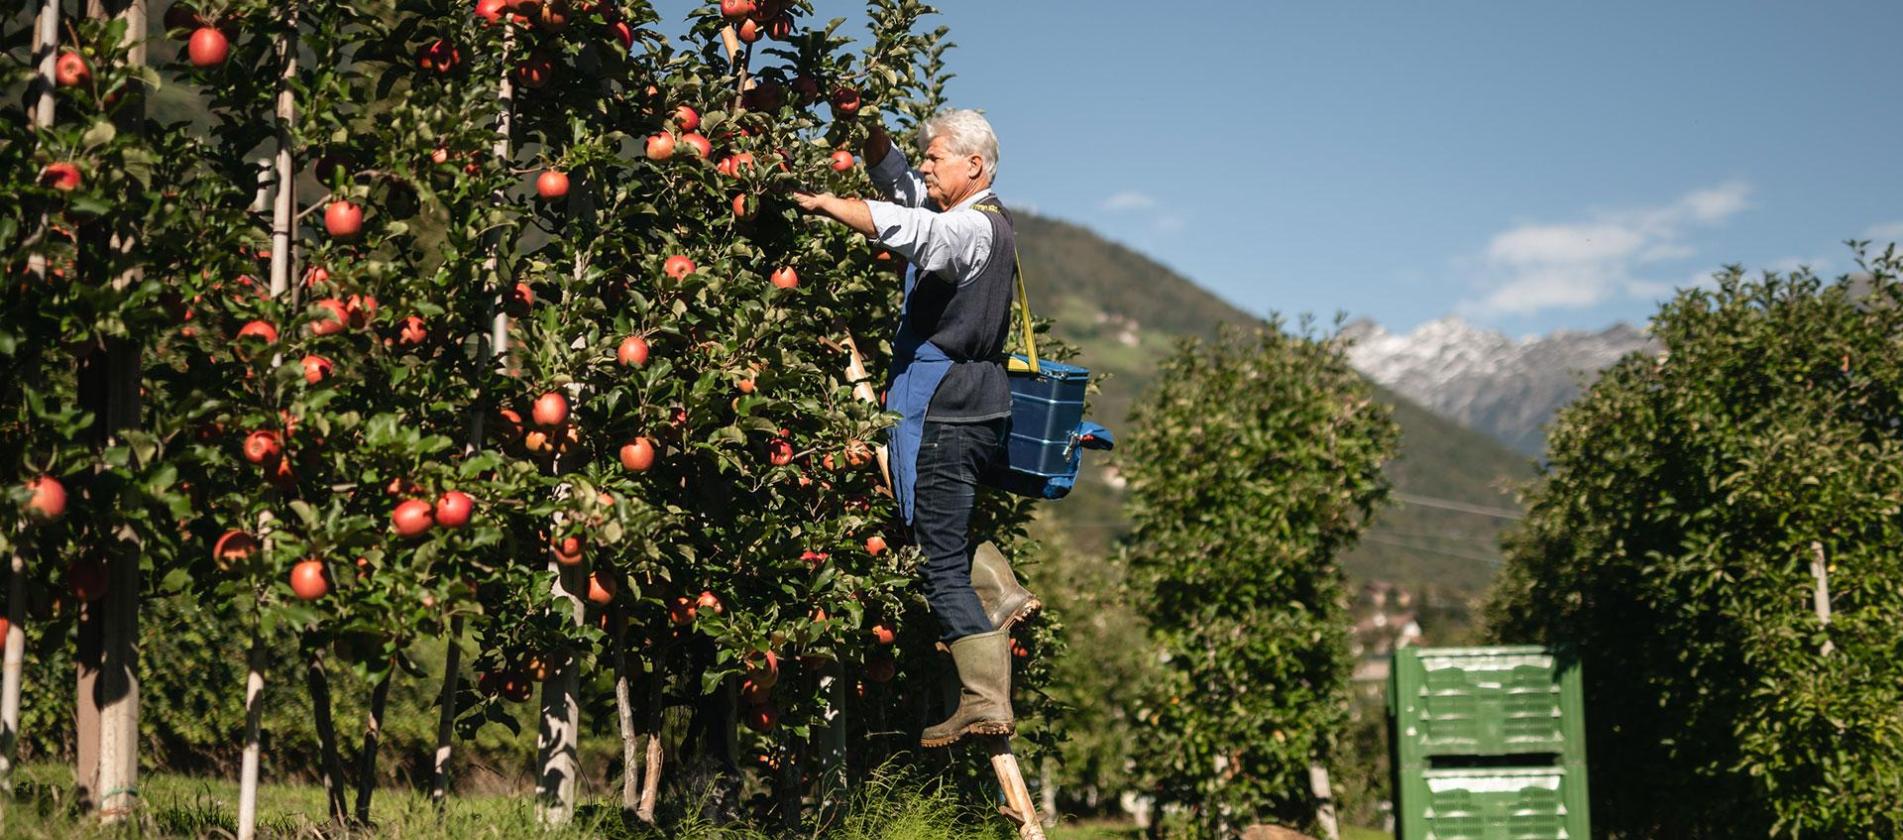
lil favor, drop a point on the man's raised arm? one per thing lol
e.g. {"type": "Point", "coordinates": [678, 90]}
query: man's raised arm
{"type": "Point", "coordinates": [890, 172]}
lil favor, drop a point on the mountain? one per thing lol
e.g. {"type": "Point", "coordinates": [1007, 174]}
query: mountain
{"type": "Point", "coordinates": [1486, 381]}
{"type": "Point", "coordinates": [1124, 313]}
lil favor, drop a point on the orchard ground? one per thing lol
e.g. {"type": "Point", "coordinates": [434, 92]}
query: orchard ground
{"type": "Point", "coordinates": [191, 806]}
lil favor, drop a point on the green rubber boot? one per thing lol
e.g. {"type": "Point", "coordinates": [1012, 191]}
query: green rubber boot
{"type": "Point", "coordinates": [984, 698]}
{"type": "Point", "coordinates": [1005, 601]}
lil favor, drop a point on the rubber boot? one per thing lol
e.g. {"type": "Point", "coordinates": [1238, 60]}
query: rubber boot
{"type": "Point", "coordinates": [1005, 601]}
{"type": "Point", "coordinates": [984, 698]}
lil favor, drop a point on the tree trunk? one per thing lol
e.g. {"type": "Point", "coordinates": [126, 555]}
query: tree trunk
{"type": "Point", "coordinates": [332, 766]}
{"type": "Point", "coordinates": [372, 737]}
{"type": "Point", "coordinates": [624, 710]}
{"type": "Point", "coordinates": [446, 720]}
{"type": "Point", "coordinates": [557, 740]}
{"type": "Point", "coordinates": [656, 758]}
{"type": "Point", "coordinates": [253, 714]}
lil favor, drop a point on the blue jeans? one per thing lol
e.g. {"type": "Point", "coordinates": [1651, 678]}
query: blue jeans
{"type": "Point", "coordinates": [952, 457]}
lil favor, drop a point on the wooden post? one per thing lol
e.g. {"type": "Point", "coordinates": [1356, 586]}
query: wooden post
{"type": "Point", "coordinates": [10, 678]}
{"type": "Point", "coordinates": [118, 684]}
{"type": "Point", "coordinates": [495, 348]}
{"type": "Point", "coordinates": [1017, 797]}
{"type": "Point", "coordinates": [45, 37]}
{"type": "Point", "coordinates": [1324, 801]}
{"type": "Point", "coordinates": [1820, 595]}
{"type": "Point", "coordinates": [253, 713]}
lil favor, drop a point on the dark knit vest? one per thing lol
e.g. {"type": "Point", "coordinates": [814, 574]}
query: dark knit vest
{"type": "Point", "coordinates": [970, 323]}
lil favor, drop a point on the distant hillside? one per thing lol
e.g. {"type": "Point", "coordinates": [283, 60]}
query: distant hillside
{"type": "Point", "coordinates": [1125, 312]}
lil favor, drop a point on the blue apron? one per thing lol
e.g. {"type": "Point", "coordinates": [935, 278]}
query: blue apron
{"type": "Point", "coordinates": [918, 367]}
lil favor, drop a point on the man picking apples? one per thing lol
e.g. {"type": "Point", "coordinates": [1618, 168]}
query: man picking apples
{"type": "Point", "coordinates": [949, 386]}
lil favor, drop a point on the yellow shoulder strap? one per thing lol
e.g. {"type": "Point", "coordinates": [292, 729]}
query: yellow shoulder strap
{"type": "Point", "coordinates": [1024, 314]}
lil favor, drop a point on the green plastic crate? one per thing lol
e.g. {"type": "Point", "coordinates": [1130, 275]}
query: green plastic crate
{"type": "Point", "coordinates": [1495, 803]}
{"type": "Point", "coordinates": [1485, 701]}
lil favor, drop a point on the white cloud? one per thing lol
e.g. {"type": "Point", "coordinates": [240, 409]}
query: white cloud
{"type": "Point", "coordinates": [1128, 200]}
{"type": "Point", "coordinates": [1886, 232]}
{"type": "Point", "coordinates": [1573, 265]}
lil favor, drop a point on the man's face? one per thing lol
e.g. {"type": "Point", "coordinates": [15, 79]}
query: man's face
{"type": "Point", "coordinates": [949, 178]}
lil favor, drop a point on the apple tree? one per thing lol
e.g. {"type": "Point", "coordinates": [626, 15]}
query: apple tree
{"type": "Point", "coordinates": [1254, 462]}
{"type": "Point", "coordinates": [1713, 535]}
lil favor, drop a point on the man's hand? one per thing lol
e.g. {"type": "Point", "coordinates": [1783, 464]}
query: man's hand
{"type": "Point", "coordinates": [851, 211]}
{"type": "Point", "coordinates": [877, 145]}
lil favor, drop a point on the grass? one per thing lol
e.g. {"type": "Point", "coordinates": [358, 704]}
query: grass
{"type": "Point", "coordinates": [184, 806]}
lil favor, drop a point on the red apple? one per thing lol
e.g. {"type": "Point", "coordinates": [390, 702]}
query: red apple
{"type": "Point", "coordinates": [779, 452]}
{"type": "Point", "coordinates": [233, 548]}
{"type": "Point", "coordinates": [686, 119]}
{"type": "Point", "coordinates": [633, 351]}
{"type": "Point", "coordinates": [678, 266]}
{"type": "Point", "coordinates": [744, 206]}
{"type": "Point", "coordinates": [682, 611]}
{"type": "Point", "coordinates": [550, 409]}
{"type": "Point", "coordinates": [362, 309]}
{"type": "Point", "coordinates": [551, 185]}
{"type": "Point", "coordinates": [841, 160]}
{"type": "Point", "coordinates": [453, 509]}
{"type": "Point", "coordinates": [763, 668]}
{"type": "Point", "coordinates": [413, 331]}
{"type": "Point", "coordinates": [316, 369]}
{"type": "Point", "coordinates": [623, 33]}
{"type": "Point", "coordinates": [208, 47]}
{"type": "Point", "coordinates": [440, 57]}
{"type": "Point", "coordinates": [755, 692]}
{"type": "Point", "coordinates": [884, 634]}
{"type": "Point", "coordinates": [309, 580]}
{"type": "Point", "coordinates": [875, 545]}
{"type": "Point", "coordinates": [567, 550]}
{"type": "Point", "coordinates": [702, 148]}
{"type": "Point", "coordinates": [749, 31]}
{"type": "Point", "coordinates": [881, 669]}
{"type": "Point", "coordinates": [71, 70]}
{"type": "Point", "coordinates": [411, 518]}
{"type": "Point", "coordinates": [637, 455]}
{"type": "Point", "coordinates": [660, 146]}
{"type": "Point", "coordinates": [734, 10]}
{"type": "Point", "coordinates": [786, 278]}
{"type": "Point", "coordinates": [260, 330]}
{"type": "Point", "coordinates": [343, 220]}
{"type": "Point", "coordinates": [520, 299]}
{"type": "Point", "coordinates": [62, 176]}
{"type": "Point", "coordinates": [491, 10]}
{"type": "Point", "coordinates": [710, 601]}
{"type": "Point", "coordinates": [536, 71]}
{"type": "Point", "coordinates": [48, 501]}
{"type": "Point", "coordinates": [262, 445]}
{"type": "Point", "coordinates": [601, 589]}
{"type": "Point", "coordinates": [332, 320]}
{"type": "Point", "coordinates": [845, 101]}
{"type": "Point", "coordinates": [780, 28]}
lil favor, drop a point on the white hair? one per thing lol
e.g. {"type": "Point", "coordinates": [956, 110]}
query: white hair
{"type": "Point", "coordinates": [966, 132]}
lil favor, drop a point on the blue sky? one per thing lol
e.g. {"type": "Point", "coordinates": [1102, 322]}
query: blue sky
{"type": "Point", "coordinates": [1529, 166]}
